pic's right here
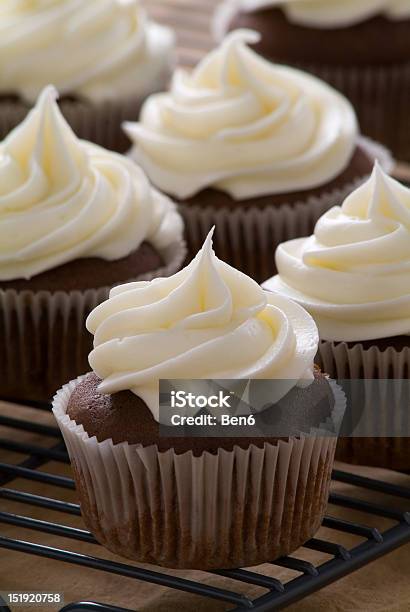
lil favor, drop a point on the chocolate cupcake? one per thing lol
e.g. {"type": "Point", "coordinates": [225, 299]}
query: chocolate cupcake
{"type": "Point", "coordinates": [75, 219]}
{"type": "Point", "coordinates": [104, 57]}
{"type": "Point", "coordinates": [259, 150]}
{"type": "Point", "coordinates": [342, 44]}
{"type": "Point", "coordinates": [197, 501]}
{"type": "Point", "coordinates": [353, 276]}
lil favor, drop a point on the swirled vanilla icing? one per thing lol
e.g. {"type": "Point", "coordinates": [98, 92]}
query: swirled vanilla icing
{"type": "Point", "coordinates": [244, 126]}
{"type": "Point", "coordinates": [353, 273]}
{"type": "Point", "coordinates": [95, 49]}
{"type": "Point", "coordinates": [207, 321]}
{"type": "Point", "coordinates": [63, 199]}
{"type": "Point", "coordinates": [323, 13]}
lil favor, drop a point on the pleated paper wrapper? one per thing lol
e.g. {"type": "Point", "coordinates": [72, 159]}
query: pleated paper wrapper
{"type": "Point", "coordinates": [382, 401]}
{"type": "Point", "coordinates": [43, 339]}
{"type": "Point", "coordinates": [230, 509]}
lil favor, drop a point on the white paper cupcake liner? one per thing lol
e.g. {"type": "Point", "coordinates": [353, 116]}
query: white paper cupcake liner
{"type": "Point", "coordinates": [229, 509]}
{"type": "Point", "coordinates": [247, 238]}
{"type": "Point", "coordinates": [377, 403]}
{"type": "Point", "coordinates": [43, 339]}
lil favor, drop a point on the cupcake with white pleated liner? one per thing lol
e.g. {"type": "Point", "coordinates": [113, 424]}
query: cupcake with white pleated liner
{"type": "Point", "coordinates": [353, 276]}
{"type": "Point", "coordinates": [75, 219]}
{"type": "Point", "coordinates": [104, 56]}
{"type": "Point", "coordinates": [199, 501]}
{"type": "Point", "coordinates": [258, 149]}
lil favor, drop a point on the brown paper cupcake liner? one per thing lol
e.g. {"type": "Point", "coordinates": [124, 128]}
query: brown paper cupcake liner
{"type": "Point", "coordinates": [43, 339]}
{"type": "Point", "coordinates": [380, 403]}
{"type": "Point", "coordinates": [248, 238]}
{"type": "Point", "coordinates": [381, 98]}
{"type": "Point", "coordinates": [97, 122]}
{"type": "Point", "coordinates": [224, 510]}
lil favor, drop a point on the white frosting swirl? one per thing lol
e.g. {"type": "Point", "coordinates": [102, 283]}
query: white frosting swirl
{"type": "Point", "coordinates": [245, 126]}
{"type": "Point", "coordinates": [62, 199]}
{"type": "Point", "coordinates": [323, 13]}
{"type": "Point", "coordinates": [96, 49]}
{"type": "Point", "coordinates": [206, 321]}
{"type": "Point", "coordinates": [353, 274]}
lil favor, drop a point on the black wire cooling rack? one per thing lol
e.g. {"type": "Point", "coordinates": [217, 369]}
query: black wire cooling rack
{"type": "Point", "coordinates": [374, 543]}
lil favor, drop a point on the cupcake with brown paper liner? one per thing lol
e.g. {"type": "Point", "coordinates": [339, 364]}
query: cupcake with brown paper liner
{"type": "Point", "coordinates": [104, 57]}
{"type": "Point", "coordinates": [75, 219]}
{"type": "Point", "coordinates": [353, 276]}
{"type": "Point", "coordinates": [343, 43]}
{"type": "Point", "coordinates": [197, 501]}
{"type": "Point", "coordinates": [257, 149]}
